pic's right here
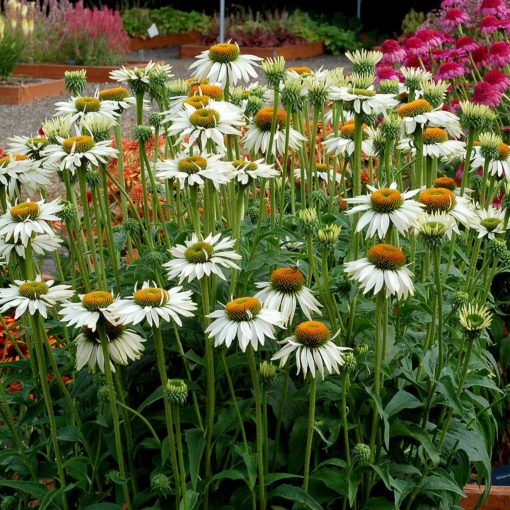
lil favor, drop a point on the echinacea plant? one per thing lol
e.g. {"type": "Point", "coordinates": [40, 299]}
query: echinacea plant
{"type": "Point", "coordinates": [317, 223]}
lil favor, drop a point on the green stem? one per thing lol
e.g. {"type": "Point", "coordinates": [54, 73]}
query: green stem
{"type": "Point", "coordinates": [309, 437]}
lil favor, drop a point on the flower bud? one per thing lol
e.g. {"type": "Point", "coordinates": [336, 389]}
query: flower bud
{"type": "Point", "coordinates": [177, 391]}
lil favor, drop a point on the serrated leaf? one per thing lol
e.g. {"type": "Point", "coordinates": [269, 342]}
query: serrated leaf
{"type": "Point", "coordinates": [34, 489]}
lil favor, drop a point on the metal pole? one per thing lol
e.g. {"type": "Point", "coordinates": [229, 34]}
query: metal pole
{"type": "Point", "coordinates": [358, 9]}
{"type": "Point", "coordinates": [222, 20]}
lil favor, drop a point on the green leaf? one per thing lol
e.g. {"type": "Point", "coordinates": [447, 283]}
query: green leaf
{"type": "Point", "coordinates": [69, 434]}
{"type": "Point", "coordinates": [419, 435]}
{"type": "Point", "coordinates": [153, 397]}
{"type": "Point", "coordinates": [115, 478]}
{"type": "Point", "coordinates": [275, 477]}
{"type": "Point", "coordinates": [196, 443]}
{"type": "Point", "coordinates": [229, 474]}
{"type": "Point", "coordinates": [296, 494]}
{"type": "Point", "coordinates": [401, 400]}
{"type": "Point", "coordinates": [165, 450]}
{"type": "Point", "coordinates": [103, 506]}
{"type": "Point", "coordinates": [332, 478]}
{"type": "Point", "coordinates": [250, 460]}
{"type": "Point", "coordinates": [34, 489]}
{"type": "Point", "coordinates": [441, 481]}
{"type": "Point", "coordinates": [449, 392]}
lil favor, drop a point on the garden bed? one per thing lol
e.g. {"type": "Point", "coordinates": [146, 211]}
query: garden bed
{"type": "Point", "coordinates": [162, 41]}
{"type": "Point", "coordinates": [499, 498]}
{"type": "Point", "coordinates": [95, 74]}
{"type": "Point", "coordinates": [289, 52]}
{"type": "Point", "coordinates": [22, 90]}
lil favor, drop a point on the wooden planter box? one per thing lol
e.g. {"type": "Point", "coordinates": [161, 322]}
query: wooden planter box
{"type": "Point", "coordinates": [95, 74]}
{"type": "Point", "coordinates": [293, 52]}
{"type": "Point", "coordinates": [499, 498]}
{"type": "Point", "coordinates": [161, 41]}
{"type": "Point", "coordinates": [28, 92]}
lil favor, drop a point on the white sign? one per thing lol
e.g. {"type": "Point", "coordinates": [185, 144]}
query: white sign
{"type": "Point", "coordinates": [153, 31]}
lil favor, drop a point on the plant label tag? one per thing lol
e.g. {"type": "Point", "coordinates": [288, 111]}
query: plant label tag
{"type": "Point", "coordinates": [153, 30]}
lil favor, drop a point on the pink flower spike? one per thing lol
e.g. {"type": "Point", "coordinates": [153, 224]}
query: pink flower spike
{"type": "Point", "coordinates": [455, 17]}
{"type": "Point", "coordinates": [415, 46]}
{"type": "Point", "coordinates": [489, 25]}
{"type": "Point", "coordinates": [431, 38]}
{"type": "Point", "coordinates": [392, 51]}
{"type": "Point", "coordinates": [498, 80]}
{"type": "Point", "coordinates": [499, 54]}
{"type": "Point", "coordinates": [487, 94]}
{"type": "Point", "coordinates": [466, 43]}
{"type": "Point", "coordinates": [449, 71]}
{"type": "Point", "coordinates": [387, 73]}
{"type": "Point", "coordinates": [493, 8]}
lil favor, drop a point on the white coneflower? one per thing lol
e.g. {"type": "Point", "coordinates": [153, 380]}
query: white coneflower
{"type": "Point", "coordinates": [314, 349]}
{"type": "Point", "coordinates": [363, 100]}
{"type": "Point", "coordinates": [258, 134]}
{"type": "Point", "coordinates": [19, 170]}
{"type": "Point", "coordinates": [151, 303]}
{"type": "Point", "coordinates": [41, 244]}
{"type": "Point", "coordinates": [495, 152]}
{"type": "Point", "coordinates": [198, 258]}
{"type": "Point", "coordinates": [58, 127]}
{"type": "Point", "coordinates": [223, 63]}
{"type": "Point", "coordinates": [71, 152]}
{"type": "Point", "coordinates": [414, 77]}
{"type": "Point", "coordinates": [98, 127]}
{"type": "Point", "coordinates": [435, 144]}
{"type": "Point", "coordinates": [475, 318]}
{"type": "Point", "coordinates": [285, 290]}
{"type": "Point", "coordinates": [78, 107]}
{"type": "Point", "coordinates": [124, 345]}
{"type": "Point", "coordinates": [385, 207]}
{"type": "Point", "coordinates": [138, 78]}
{"type": "Point", "coordinates": [195, 170]}
{"type": "Point", "coordinates": [421, 113]}
{"type": "Point", "coordinates": [246, 171]}
{"type": "Point", "coordinates": [33, 296]}
{"type": "Point", "coordinates": [212, 123]}
{"type": "Point", "coordinates": [445, 200]}
{"type": "Point", "coordinates": [245, 319]}
{"type": "Point", "coordinates": [433, 228]}
{"type": "Point", "coordinates": [364, 61]}
{"type": "Point", "coordinates": [490, 222]}
{"type": "Point", "coordinates": [384, 268]}
{"type": "Point", "coordinates": [27, 146]}
{"type": "Point", "coordinates": [119, 97]}
{"type": "Point", "coordinates": [27, 218]}
{"type": "Point", "coordinates": [344, 144]}
{"type": "Point", "coordinates": [91, 308]}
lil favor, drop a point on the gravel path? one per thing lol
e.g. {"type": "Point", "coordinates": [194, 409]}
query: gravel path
{"type": "Point", "coordinates": [27, 119]}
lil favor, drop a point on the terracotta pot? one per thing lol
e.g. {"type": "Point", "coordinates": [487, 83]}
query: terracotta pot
{"type": "Point", "coordinates": [28, 92]}
{"type": "Point", "coordinates": [95, 74]}
{"type": "Point", "coordinates": [499, 497]}
{"type": "Point", "coordinates": [161, 41]}
{"type": "Point", "coordinates": [291, 52]}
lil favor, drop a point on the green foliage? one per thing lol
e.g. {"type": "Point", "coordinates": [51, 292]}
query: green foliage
{"type": "Point", "coordinates": [168, 20]}
{"type": "Point", "coordinates": [412, 20]}
{"type": "Point", "coordinates": [11, 48]}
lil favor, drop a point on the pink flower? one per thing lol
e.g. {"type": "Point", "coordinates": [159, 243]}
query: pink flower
{"type": "Point", "coordinates": [489, 25]}
{"type": "Point", "coordinates": [392, 51]}
{"type": "Point", "coordinates": [453, 106]}
{"type": "Point", "coordinates": [414, 61]}
{"type": "Point", "coordinates": [455, 17]}
{"type": "Point", "coordinates": [430, 37]}
{"type": "Point", "coordinates": [415, 46]}
{"type": "Point", "coordinates": [387, 73]}
{"type": "Point", "coordinates": [498, 80]}
{"type": "Point", "coordinates": [449, 70]}
{"type": "Point", "coordinates": [466, 43]}
{"type": "Point", "coordinates": [445, 4]}
{"type": "Point", "coordinates": [480, 56]}
{"type": "Point", "coordinates": [486, 94]}
{"type": "Point", "coordinates": [492, 8]}
{"type": "Point", "coordinates": [499, 54]}
{"type": "Point", "coordinates": [456, 54]}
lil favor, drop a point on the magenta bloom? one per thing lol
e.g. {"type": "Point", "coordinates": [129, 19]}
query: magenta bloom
{"type": "Point", "coordinates": [455, 17]}
{"type": "Point", "coordinates": [392, 51]}
{"type": "Point", "coordinates": [498, 80]}
{"type": "Point", "coordinates": [414, 61]}
{"type": "Point", "coordinates": [480, 56]}
{"type": "Point", "coordinates": [383, 72]}
{"type": "Point", "coordinates": [489, 25]}
{"type": "Point", "coordinates": [493, 8]}
{"type": "Point", "coordinates": [431, 38]}
{"type": "Point", "coordinates": [449, 71]}
{"type": "Point", "coordinates": [499, 54]}
{"type": "Point", "coordinates": [487, 94]}
{"type": "Point", "coordinates": [415, 46]}
{"type": "Point", "coordinates": [466, 43]}
{"type": "Point", "coordinates": [446, 4]}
